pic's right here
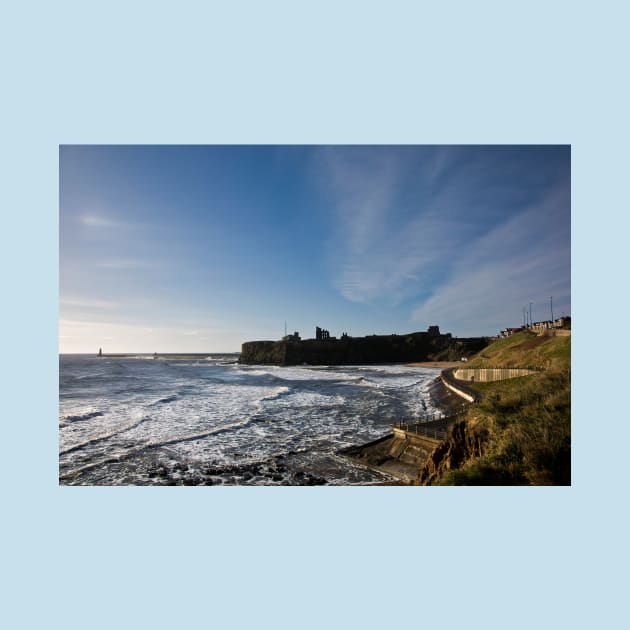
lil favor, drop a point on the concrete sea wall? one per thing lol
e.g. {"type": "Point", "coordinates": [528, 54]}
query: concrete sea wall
{"type": "Point", "coordinates": [485, 375]}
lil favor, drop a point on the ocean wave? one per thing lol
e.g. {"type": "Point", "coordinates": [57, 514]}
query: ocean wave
{"type": "Point", "coordinates": [168, 399]}
{"type": "Point", "coordinates": [361, 381]}
{"type": "Point", "coordinates": [104, 436]}
{"type": "Point", "coordinates": [85, 416]}
{"type": "Point", "coordinates": [277, 393]}
{"type": "Point", "coordinates": [298, 373]}
{"type": "Point", "coordinates": [233, 414]}
{"type": "Point", "coordinates": [152, 444]}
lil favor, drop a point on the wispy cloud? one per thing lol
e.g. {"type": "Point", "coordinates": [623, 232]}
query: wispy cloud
{"type": "Point", "coordinates": [99, 221]}
{"type": "Point", "coordinates": [126, 264]}
{"type": "Point", "coordinates": [471, 236]}
{"type": "Point", "coordinates": [524, 259]}
{"type": "Point", "coordinates": [387, 246]}
{"type": "Point", "coordinates": [88, 303]}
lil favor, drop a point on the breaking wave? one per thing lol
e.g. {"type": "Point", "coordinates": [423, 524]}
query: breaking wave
{"type": "Point", "coordinates": [126, 414]}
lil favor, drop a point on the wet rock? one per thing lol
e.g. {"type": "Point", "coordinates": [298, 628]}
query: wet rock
{"type": "Point", "coordinates": [157, 471]}
{"type": "Point", "coordinates": [315, 481]}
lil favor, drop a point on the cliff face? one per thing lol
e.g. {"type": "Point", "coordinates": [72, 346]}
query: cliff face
{"type": "Point", "coordinates": [361, 350]}
{"type": "Point", "coordinates": [264, 352]}
{"type": "Point", "coordinates": [466, 442]}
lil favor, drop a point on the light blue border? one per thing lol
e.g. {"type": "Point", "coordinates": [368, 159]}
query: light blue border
{"type": "Point", "coordinates": [285, 72]}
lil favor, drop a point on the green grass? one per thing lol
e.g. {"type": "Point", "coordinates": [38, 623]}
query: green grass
{"type": "Point", "coordinates": [525, 349]}
{"type": "Point", "coordinates": [527, 419]}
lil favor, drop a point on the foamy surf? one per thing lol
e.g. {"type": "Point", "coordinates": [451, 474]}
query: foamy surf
{"type": "Point", "coordinates": [133, 421]}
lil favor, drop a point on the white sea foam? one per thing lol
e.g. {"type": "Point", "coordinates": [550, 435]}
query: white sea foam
{"type": "Point", "coordinates": [227, 414]}
{"type": "Point", "coordinates": [276, 393]}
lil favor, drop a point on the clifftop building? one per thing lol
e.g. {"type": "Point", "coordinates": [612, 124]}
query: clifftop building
{"type": "Point", "coordinates": [294, 337]}
{"type": "Point", "coordinates": [321, 334]}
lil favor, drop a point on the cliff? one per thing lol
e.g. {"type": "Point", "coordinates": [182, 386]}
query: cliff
{"type": "Point", "coordinates": [418, 346]}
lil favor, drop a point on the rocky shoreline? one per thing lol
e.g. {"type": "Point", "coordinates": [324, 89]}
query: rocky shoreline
{"type": "Point", "coordinates": [270, 472]}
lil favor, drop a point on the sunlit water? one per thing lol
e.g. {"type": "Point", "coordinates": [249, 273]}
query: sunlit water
{"type": "Point", "coordinates": [211, 421]}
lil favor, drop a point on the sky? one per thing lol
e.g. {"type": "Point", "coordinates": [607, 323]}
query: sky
{"type": "Point", "coordinates": [201, 248]}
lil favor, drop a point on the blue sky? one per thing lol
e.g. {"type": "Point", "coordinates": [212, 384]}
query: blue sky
{"type": "Point", "coordinates": [199, 248]}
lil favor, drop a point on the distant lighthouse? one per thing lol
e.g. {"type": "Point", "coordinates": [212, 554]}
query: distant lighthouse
{"type": "Point", "coordinates": [100, 352]}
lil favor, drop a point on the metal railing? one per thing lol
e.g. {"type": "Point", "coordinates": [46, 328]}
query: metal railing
{"type": "Point", "coordinates": [533, 368]}
{"type": "Point", "coordinates": [434, 424]}
{"type": "Point", "coordinates": [436, 416]}
{"type": "Point", "coordinates": [419, 429]}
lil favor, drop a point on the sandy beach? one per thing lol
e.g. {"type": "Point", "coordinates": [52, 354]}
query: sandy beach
{"type": "Point", "coordinates": [442, 365]}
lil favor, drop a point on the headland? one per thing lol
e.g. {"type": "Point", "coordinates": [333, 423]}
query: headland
{"type": "Point", "coordinates": [429, 346]}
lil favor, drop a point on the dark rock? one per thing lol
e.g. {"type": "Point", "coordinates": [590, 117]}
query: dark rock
{"type": "Point", "coordinates": [315, 481]}
{"type": "Point", "coordinates": [417, 346]}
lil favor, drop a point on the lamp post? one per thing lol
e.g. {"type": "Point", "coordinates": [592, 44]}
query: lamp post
{"type": "Point", "coordinates": [531, 323]}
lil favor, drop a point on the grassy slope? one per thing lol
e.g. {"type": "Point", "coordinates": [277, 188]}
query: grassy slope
{"type": "Point", "coordinates": [526, 349]}
{"type": "Point", "coordinates": [527, 419]}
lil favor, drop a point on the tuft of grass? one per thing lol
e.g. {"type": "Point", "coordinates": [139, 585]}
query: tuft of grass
{"type": "Point", "coordinates": [481, 473]}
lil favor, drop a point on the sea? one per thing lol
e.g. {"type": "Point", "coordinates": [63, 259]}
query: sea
{"type": "Point", "coordinates": [207, 420]}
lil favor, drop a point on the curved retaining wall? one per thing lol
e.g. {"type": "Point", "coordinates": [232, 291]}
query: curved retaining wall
{"type": "Point", "coordinates": [459, 387]}
{"type": "Point", "coordinates": [484, 375]}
